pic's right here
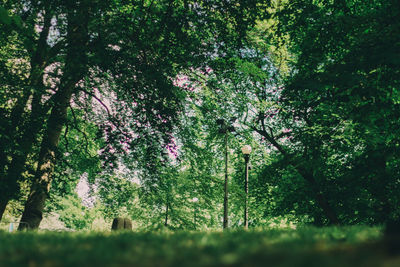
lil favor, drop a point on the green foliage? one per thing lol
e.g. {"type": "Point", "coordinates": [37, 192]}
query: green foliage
{"type": "Point", "coordinates": [104, 72]}
{"type": "Point", "coordinates": [9, 20]}
{"type": "Point", "coordinates": [312, 86]}
{"type": "Point", "coordinates": [341, 88]}
{"type": "Point", "coordinates": [72, 213]}
{"type": "Point", "coordinates": [329, 123]}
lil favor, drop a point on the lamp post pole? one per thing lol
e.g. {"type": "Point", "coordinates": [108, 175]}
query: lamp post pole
{"type": "Point", "coordinates": [246, 150]}
{"type": "Point", "coordinates": [246, 189]}
{"type": "Point", "coordinates": [225, 129]}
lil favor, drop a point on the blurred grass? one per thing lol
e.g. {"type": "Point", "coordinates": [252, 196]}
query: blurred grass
{"type": "Point", "coordinates": [334, 246]}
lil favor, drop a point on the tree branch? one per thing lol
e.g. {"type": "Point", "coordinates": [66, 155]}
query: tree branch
{"type": "Point", "coordinates": [110, 116]}
{"type": "Point", "coordinates": [79, 130]}
{"type": "Point", "coordinates": [267, 136]}
{"type": "Point", "coordinates": [54, 50]}
{"type": "Point", "coordinates": [65, 136]}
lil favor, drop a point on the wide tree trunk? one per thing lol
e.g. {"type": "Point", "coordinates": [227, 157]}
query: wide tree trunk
{"type": "Point", "coordinates": [74, 70]}
{"type": "Point", "coordinates": [32, 214]}
{"type": "Point", "coordinates": [319, 196]}
{"type": "Point", "coordinates": [3, 205]}
{"type": "Point", "coordinates": [22, 144]}
{"type": "Point", "coordinates": [379, 184]}
{"type": "Point", "coordinates": [8, 144]}
{"type": "Point", "coordinates": [23, 147]}
{"type": "Point", "coordinates": [8, 130]}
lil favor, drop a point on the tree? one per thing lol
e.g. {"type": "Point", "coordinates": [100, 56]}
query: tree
{"type": "Point", "coordinates": [344, 84]}
{"type": "Point", "coordinates": [124, 45]}
{"type": "Point", "coordinates": [30, 54]}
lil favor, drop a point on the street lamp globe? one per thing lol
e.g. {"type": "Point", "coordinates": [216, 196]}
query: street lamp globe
{"type": "Point", "coordinates": [246, 150]}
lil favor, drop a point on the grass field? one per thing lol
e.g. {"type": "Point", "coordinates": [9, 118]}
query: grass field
{"type": "Point", "coordinates": [345, 246]}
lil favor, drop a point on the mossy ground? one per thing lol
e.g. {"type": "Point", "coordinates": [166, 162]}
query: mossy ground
{"type": "Point", "coordinates": [345, 246]}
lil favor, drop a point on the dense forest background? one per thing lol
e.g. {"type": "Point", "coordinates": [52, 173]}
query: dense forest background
{"type": "Point", "coordinates": [131, 108]}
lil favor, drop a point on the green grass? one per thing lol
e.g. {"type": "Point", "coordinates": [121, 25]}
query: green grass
{"type": "Point", "coordinates": [346, 246]}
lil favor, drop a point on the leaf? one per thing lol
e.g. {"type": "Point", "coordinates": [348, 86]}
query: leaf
{"type": "Point", "coordinates": [18, 21]}
{"type": "Point", "coordinates": [5, 18]}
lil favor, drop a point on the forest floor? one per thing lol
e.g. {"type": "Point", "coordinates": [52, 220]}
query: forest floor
{"type": "Point", "coordinates": [344, 246]}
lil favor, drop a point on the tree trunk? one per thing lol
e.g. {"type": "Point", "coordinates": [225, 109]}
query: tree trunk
{"type": "Point", "coordinates": [319, 196]}
{"type": "Point", "coordinates": [17, 165]}
{"type": "Point", "coordinates": [166, 215]}
{"type": "Point", "coordinates": [75, 68]}
{"type": "Point", "coordinates": [3, 205]}
{"type": "Point", "coordinates": [47, 157]}
{"type": "Point", "coordinates": [326, 207]}
{"type": "Point", "coordinates": [8, 146]}
{"type": "Point", "coordinates": [379, 184]}
{"type": "Point", "coordinates": [22, 145]}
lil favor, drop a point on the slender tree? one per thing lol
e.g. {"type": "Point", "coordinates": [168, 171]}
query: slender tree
{"type": "Point", "coordinates": [78, 16]}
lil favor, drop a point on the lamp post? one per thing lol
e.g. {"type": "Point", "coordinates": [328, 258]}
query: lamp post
{"type": "Point", "coordinates": [246, 150]}
{"type": "Point", "coordinates": [224, 128]}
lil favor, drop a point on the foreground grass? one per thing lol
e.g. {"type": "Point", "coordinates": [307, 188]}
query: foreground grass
{"type": "Point", "coordinates": [346, 246]}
